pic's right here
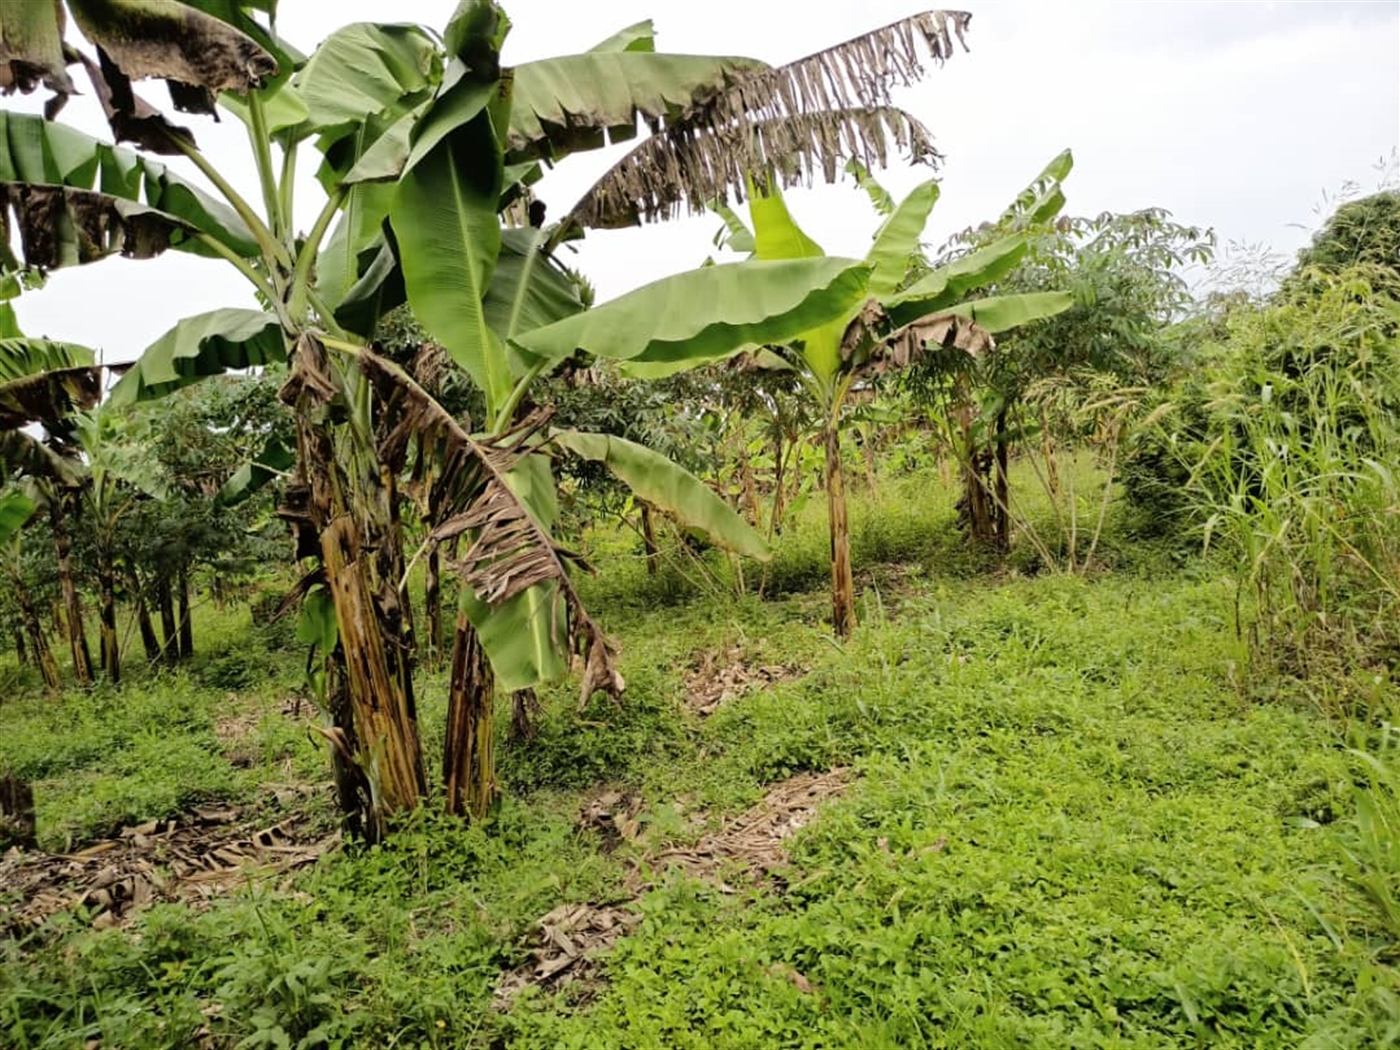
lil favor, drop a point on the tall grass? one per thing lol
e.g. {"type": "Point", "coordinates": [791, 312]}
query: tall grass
{"type": "Point", "coordinates": [1296, 477]}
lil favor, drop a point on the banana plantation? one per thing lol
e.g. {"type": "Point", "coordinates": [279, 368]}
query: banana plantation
{"type": "Point", "coordinates": [986, 638]}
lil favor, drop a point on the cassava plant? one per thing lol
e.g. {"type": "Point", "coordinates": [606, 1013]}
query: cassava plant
{"type": "Point", "coordinates": [426, 142]}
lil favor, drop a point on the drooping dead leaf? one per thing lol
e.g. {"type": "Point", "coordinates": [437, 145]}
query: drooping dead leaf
{"type": "Point", "coordinates": [869, 347]}
{"type": "Point", "coordinates": [62, 225]}
{"type": "Point", "coordinates": [131, 117]}
{"type": "Point", "coordinates": [724, 675]}
{"type": "Point", "coordinates": [791, 122]}
{"type": "Point", "coordinates": [31, 51]}
{"type": "Point", "coordinates": [195, 53]}
{"type": "Point", "coordinates": [509, 552]}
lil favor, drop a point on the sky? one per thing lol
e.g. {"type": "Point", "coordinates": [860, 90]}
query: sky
{"type": "Point", "coordinates": [1248, 117]}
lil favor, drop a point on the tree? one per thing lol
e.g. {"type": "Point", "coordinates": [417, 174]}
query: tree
{"type": "Point", "coordinates": [902, 314]}
{"type": "Point", "coordinates": [1125, 275]}
{"type": "Point", "coordinates": [426, 142]}
{"type": "Point", "coordinates": [1363, 232]}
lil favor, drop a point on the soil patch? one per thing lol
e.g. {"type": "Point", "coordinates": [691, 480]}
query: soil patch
{"type": "Point", "coordinates": [191, 858]}
{"type": "Point", "coordinates": [722, 675]}
{"type": "Point", "coordinates": [566, 947]}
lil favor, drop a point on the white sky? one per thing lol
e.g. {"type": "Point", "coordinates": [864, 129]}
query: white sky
{"type": "Point", "coordinates": [1236, 115]}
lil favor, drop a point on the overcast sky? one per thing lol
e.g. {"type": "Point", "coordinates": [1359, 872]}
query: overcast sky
{"type": "Point", "coordinates": [1241, 116]}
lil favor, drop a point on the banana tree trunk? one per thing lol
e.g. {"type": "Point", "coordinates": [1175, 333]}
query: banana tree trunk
{"type": "Point", "coordinates": [107, 618]}
{"type": "Point", "coordinates": [377, 675]}
{"type": "Point", "coordinates": [182, 596]}
{"type": "Point", "coordinates": [170, 648]}
{"type": "Point", "coordinates": [843, 590]}
{"type": "Point", "coordinates": [353, 529]}
{"type": "Point", "coordinates": [72, 603]}
{"type": "Point", "coordinates": [38, 644]}
{"type": "Point", "coordinates": [468, 755]}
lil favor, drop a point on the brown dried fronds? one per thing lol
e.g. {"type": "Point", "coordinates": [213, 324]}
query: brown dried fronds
{"type": "Point", "coordinates": [791, 121]}
{"type": "Point", "coordinates": [869, 347]}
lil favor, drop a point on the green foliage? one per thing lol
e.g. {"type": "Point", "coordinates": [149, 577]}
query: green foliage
{"type": "Point", "coordinates": [1289, 439]}
{"type": "Point", "coordinates": [1363, 232]}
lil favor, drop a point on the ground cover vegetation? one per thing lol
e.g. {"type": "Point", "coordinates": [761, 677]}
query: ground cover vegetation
{"type": "Point", "coordinates": [987, 642]}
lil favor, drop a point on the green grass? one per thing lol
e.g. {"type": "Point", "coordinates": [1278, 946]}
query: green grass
{"type": "Point", "coordinates": [1072, 823]}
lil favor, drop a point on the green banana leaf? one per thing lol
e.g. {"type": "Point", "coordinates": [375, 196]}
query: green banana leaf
{"type": "Point", "coordinates": [735, 236]}
{"type": "Point", "coordinates": [1043, 198]}
{"type": "Point", "coordinates": [15, 510]}
{"type": "Point", "coordinates": [880, 198]}
{"type": "Point", "coordinates": [898, 240]}
{"type": "Point", "coordinates": [528, 290]}
{"type": "Point", "coordinates": [670, 487]}
{"type": "Point", "coordinates": [36, 157]}
{"type": "Point", "coordinates": [1001, 313]}
{"type": "Point", "coordinates": [641, 36]}
{"type": "Point", "coordinates": [522, 636]}
{"type": "Point", "coordinates": [275, 459]}
{"type": "Point", "coordinates": [706, 314]}
{"type": "Point", "coordinates": [777, 236]}
{"type": "Point", "coordinates": [949, 284]}
{"type": "Point", "coordinates": [365, 70]}
{"type": "Point", "coordinates": [198, 347]}
{"type": "Point", "coordinates": [579, 102]}
{"type": "Point", "coordinates": [21, 357]}
{"type": "Point", "coordinates": [444, 218]}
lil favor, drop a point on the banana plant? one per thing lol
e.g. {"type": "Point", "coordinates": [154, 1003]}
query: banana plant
{"type": "Point", "coordinates": [426, 142]}
{"type": "Point", "coordinates": [47, 383]}
{"type": "Point", "coordinates": [906, 310]}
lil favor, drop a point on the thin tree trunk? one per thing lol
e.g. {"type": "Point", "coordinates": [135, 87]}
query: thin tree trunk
{"type": "Point", "coordinates": [21, 652]}
{"type": "Point", "coordinates": [107, 619]}
{"type": "Point", "coordinates": [976, 500]}
{"type": "Point", "coordinates": [1001, 508]}
{"type": "Point", "coordinates": [1047, 446]}
{"type": "Point", "coordinates": [525, 712]}
{"type": "Point", "coordinates": [432, 609]}
{"type": "Point", "coordinates": [867, 453]}
{"type": "Point", "coordinates": [149, 642]}
{"type": "Point", "coordinates": [170, 648]}
{"type": "Point", "coordinates": [38, 644]}
{"type": "Point", "coordinates": [653, 552]}
{"type": "Point", "coordinates": [16, 813]}
{"type": "Point", "coordinates": [752, 510]}
{"type": "Point", "coordinates": [780, 454]}
{"type": "Point", "coordinates": [843, 590]}
{"type": "Point", "coordinates": [468, 754]}
{"type": "Point", "coordinates": [182, 596]}
{"type": "Point", "coordinates": [352, 788]}
{"type": "Point", "coordinates": [72, 603]}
